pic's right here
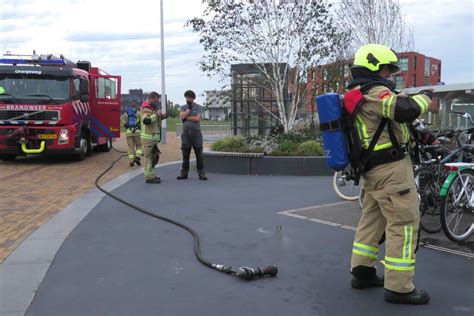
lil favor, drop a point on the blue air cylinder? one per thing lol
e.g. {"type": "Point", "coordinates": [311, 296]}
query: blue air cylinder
{"type": "Point", "coordinates": [131, 117]}
{"type": "Point", "coordinates": [334, 139]}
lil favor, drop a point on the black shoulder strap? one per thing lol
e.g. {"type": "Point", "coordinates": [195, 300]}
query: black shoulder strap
{"type": "Point", "coordinates": [365, 88]}
{"type": "Point", "coordinates": [359, 169]}
{"type": "Point", "coordinates": [373, 142]}
{"type": "Point", "coordinates": [393, 139]}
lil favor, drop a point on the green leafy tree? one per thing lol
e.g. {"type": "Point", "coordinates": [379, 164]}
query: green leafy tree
{"type": "Point", "coordinates": [174, 111]}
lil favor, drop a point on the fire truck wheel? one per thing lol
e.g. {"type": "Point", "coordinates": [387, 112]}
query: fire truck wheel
{"type": "Point", "coordinates": [82, 146]}
{"type": "Point", "coordinates": [89, 145]}
{"type": "Point", "coordinates": [7, 157]}
{"type": "Point", "coordinates": [105, 147]}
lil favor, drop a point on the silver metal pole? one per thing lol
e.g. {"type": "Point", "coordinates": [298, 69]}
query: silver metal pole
{"type": "Point", "coordinates": [164, 101]}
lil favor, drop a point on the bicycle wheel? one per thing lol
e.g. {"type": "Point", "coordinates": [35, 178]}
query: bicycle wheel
{"type": "Point", "coordinates": [361, 197]}
{"type": "Point", "coordinates": [428, 190]}
{"type": "Point", "coordinates": [344, 188]}
{"type": "Point", "coordinates": [457, 207]}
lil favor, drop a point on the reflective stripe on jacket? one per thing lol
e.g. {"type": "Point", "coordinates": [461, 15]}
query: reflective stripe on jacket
{"type": "Point", "coordinates": [381, 102]}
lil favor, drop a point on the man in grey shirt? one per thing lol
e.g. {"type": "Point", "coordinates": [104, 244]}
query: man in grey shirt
{"type": "Point", "coordinates": [191, 115]}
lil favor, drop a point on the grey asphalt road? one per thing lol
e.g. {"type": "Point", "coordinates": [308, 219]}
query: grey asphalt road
{"type": "Point", "coordinates": [120, 262]}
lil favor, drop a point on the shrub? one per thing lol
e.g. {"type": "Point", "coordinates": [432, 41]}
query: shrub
{"type": "Point", "coordinates": [301, 142]}
{"type": "Point", "coordinates": [310, 148]}
{"type": "Point", "coordinates": [228, 144]}
{"type": "Point", "coordinates": [266, 144]}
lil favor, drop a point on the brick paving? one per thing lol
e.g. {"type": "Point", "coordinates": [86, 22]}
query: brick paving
{"type": "Point", "coordinates": [34, 189]}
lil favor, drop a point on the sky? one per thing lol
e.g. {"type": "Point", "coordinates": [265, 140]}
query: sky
{"type": "Point", "coordinates": [123, 38]}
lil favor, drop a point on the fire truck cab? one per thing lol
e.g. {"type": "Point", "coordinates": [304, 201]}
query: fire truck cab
{"type": "Point", "coordinates": [50, 105]}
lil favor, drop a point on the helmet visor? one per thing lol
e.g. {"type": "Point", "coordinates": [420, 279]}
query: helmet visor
{"type": "Point", "coordinates": [394, 68]}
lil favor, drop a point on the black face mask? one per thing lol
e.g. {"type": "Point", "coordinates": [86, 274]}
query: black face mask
{"type": "Point", "coordinates": [189, 102]}
{"type": "Point", "coordinates": [153, 104]}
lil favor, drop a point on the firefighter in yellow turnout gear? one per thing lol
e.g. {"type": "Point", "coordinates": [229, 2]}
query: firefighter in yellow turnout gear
{"type": "Point", "coordinates": [151, 135]}
{"type": "Point", "coordinates": [131, 122]}
{"type": "Point", "coordinates": [390, 201]}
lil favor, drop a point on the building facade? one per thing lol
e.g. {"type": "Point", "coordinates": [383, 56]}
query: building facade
{"type": "Point", "coordinates": [134, 96]}
{"type": "Point", "coordinates": [218, 105]}
{"type": "Point", "coordinates": [416, 70]}
{"type": "Point", "coordinates": [137, 97]}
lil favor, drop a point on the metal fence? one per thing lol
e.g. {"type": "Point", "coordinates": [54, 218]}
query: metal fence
{"type": "Point", "coordinates": [209, 132]}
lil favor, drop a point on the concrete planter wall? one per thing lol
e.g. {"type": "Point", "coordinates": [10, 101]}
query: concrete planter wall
{"type": "Point", "coordinates": [252, 163]}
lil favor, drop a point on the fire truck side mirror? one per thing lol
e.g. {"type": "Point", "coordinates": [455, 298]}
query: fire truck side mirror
{"type": "Point", "coordinates": [84, 98]}
{"type": "Point", "coordinates": [84, 89]}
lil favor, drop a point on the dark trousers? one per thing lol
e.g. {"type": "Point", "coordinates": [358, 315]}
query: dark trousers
{"type": "Point", "coordinates": [192, 140]}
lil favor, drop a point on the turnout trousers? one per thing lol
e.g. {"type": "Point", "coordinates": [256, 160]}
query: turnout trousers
{"type": "Point", "coordinates": [390, 205]}
{"type": "Point", "coordinates": [134, 147]}
{"type": "Point", "coordinates": [149, 167]}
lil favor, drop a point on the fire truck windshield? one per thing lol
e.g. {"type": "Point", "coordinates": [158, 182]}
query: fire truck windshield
{"type": "Point", "coordinates": [34, 89]}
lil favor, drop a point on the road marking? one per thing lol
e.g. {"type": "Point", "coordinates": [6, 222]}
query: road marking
{"type": "Point", "coordinates": [320, 221]}
{"type": "Point", "coordinates": [443, 249]}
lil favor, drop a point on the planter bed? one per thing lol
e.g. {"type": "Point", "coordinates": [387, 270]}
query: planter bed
{"type": "Point", "coordinates": [259, 164]}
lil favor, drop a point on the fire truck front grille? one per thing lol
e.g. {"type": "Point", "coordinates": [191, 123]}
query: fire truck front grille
{"type": "Point", "coordinates": [32, 132]}
{"type": "Point", "coordinates": [25, 115]}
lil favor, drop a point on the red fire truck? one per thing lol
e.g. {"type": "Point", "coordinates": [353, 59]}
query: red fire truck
{"type": "Point", "coordinates": [50, 105]}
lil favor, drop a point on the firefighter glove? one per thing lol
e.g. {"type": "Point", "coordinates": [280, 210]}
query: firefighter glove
{"type": "Point", "coordinates": [428, 93]}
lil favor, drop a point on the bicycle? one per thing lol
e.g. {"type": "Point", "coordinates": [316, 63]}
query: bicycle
{"type": "Point", "coordinates": [457, 201]}
{"type": "Point", "coordinates": [344, 186]}
{"type": "Point", "coordinates": [430, 175]}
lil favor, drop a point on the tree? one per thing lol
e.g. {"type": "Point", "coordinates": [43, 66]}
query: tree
{"type": "Point", "coordinates": [283, 38]}
{"type": "Point", "coordinates": [173, 111]}
{"type": "Point", "coordinates": [373, 21]}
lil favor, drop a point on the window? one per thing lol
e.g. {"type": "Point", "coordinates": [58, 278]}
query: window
{"type": "Point", "coordinates": [346, 70]}
{"type": "Point", "coordinates": [427, 71]}
{"type": "Point", "coordinates": [25, 87]}
{"type": "Point", "coordinates": [106, 88]}
{"type": "Point", "coordinates": [398, 82]}
{"type": "Point", "coordinates": [403, 63]}
{"type": "Point", "coordinates": [77, 89]}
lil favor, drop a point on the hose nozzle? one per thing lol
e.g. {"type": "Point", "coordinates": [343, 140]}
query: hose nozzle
{"type": "Point", "coordinates": [248, 274]}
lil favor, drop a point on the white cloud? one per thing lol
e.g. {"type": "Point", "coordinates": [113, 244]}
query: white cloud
{"type": "Point", "coordinates": [445, 30]}
{"type": "Point", "coordinates": [122, 37]}
{"type": "Point", "coordinates": [118, 36]}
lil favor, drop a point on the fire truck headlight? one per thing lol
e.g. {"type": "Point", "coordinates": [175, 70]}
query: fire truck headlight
{"type": "Point", "coordinates": [63, 136]}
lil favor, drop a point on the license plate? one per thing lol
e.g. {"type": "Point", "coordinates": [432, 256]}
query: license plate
{"type": "Point", "coordinates": [47, 136]}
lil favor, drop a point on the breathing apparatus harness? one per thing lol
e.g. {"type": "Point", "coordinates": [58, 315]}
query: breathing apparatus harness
{"type": "Point", "coordinates": [362, 160]}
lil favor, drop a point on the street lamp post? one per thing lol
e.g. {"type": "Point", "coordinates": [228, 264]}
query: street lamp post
{"type": "Point", "coordinates": [164, 101]}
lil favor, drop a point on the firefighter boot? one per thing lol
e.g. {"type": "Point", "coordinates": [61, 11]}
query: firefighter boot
{"type": "Point", "coordinates": [415, 297]}
{"type": "Point", "coordinates": [365, 277]}
{"type": "Point", "coordinates": [183, 175]}
{"type": "Point", "coordinates": [202, 175]}
{"type": "Point", "coordinates": [155, 181]}
{"type": "Point", "coordinates": [137, 161]}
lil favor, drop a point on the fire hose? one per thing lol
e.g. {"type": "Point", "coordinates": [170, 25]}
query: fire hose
{"type": "Point", "coordinates": [245, 273]}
